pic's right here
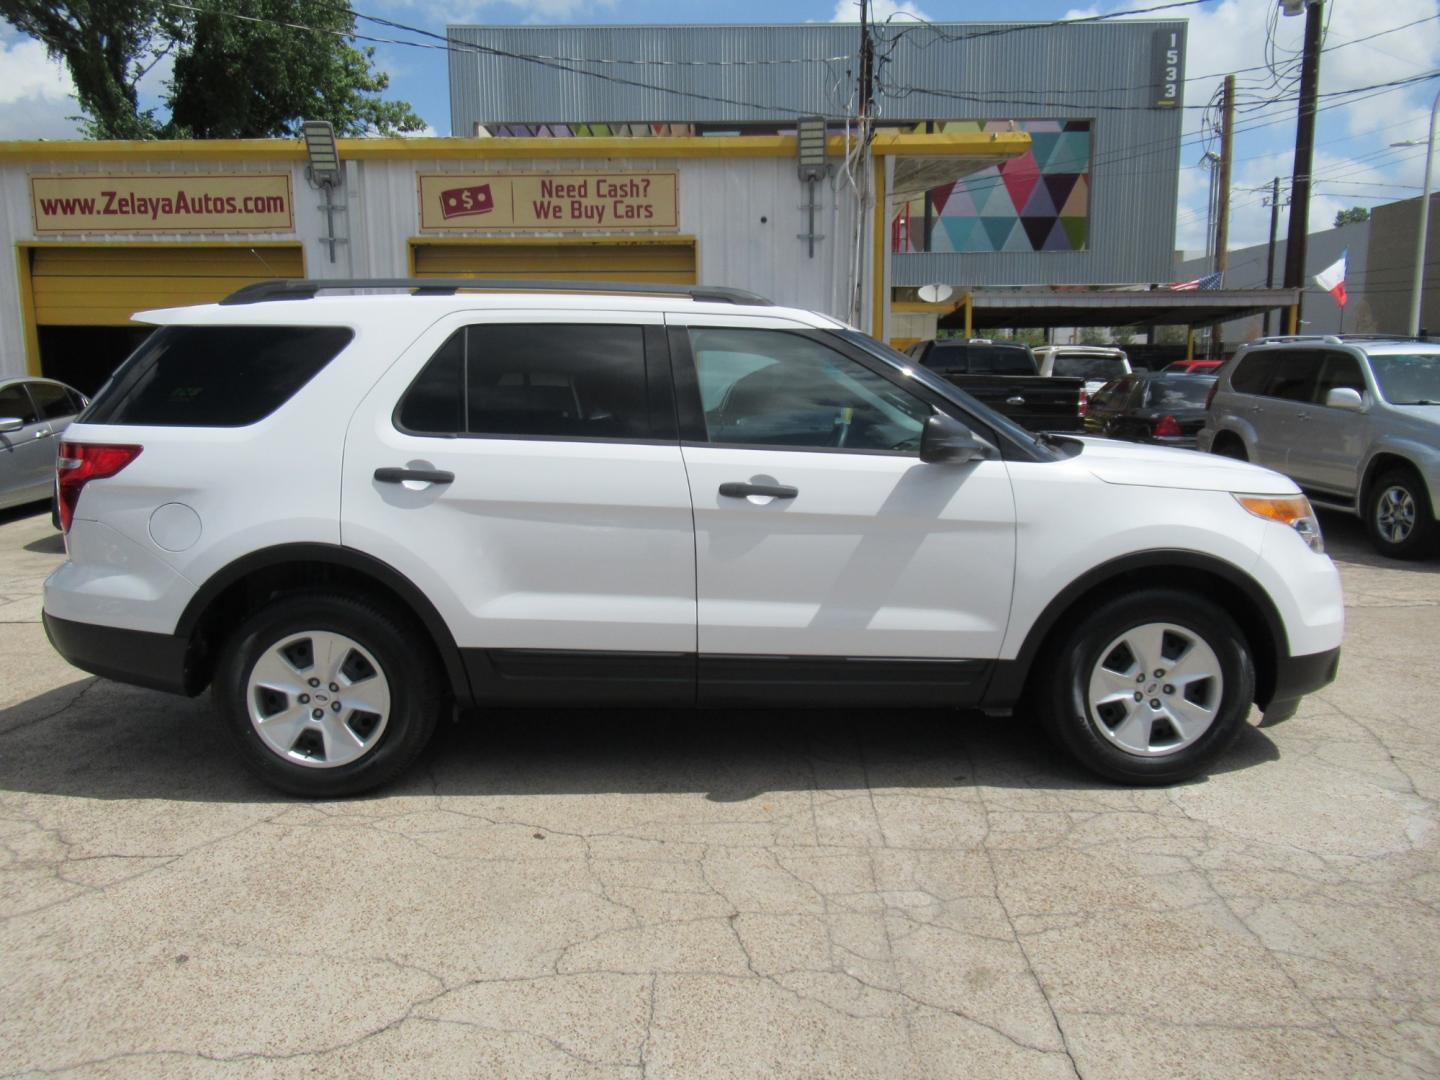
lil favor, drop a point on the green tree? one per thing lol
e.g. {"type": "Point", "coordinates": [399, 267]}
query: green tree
{"type": "Point", "coordinates": [108, 46]}
{"type": "Point", "coordinates": [238, 72]}
{"type": "Point", "coordinates": [1354, 214]}
{"type": "Point", "coordinates": [1122, 335]}
{"type": "Point", "coordinates": [1092, 335]}
{"type": "Point", "coordinates": [285, 74]}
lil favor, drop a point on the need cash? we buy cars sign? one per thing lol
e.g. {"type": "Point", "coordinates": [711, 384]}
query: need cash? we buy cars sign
{"type": "Point", "coordinates": [255, 202]}
{"type": "Point", "coordinates": [554, 201]}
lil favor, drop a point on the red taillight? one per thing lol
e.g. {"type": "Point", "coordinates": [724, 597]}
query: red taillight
{"type": "Point", "coordinates": [1084, 402]}
{"type": "Point", "coordinates": [1211, 395]}
{"type": "Point", "coordinates": [1166, 427]}
{"type": "Point", "coordinates": [80, 463]}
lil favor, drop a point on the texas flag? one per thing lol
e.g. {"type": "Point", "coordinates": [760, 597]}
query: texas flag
{"type": "Point", "coordinates": [1332, 278]}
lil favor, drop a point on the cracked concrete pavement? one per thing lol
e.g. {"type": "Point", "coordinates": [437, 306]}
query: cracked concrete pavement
{"type": "Point", "coordinates": [724, 894]}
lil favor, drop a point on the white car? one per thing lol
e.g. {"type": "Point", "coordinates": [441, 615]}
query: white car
{"type": "Point", "coordinates": [1096, 364]}
{"type": "Point", "coordinates": [348, 514]}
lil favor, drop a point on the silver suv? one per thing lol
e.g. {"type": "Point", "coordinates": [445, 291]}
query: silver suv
{"type": "Point", "coordinates": [1354, 420]}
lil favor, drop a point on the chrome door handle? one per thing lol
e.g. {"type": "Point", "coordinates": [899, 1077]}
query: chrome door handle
{"type": "Point", "coordinates": [1014, 399]}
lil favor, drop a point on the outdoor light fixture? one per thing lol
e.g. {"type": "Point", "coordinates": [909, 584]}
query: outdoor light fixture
{"type": "Point", "coordinates": [325, 172]}
{"type": "Point", "coordinates": [323, 153]}
{"type": "Point", "coordinates": [810, 145]}
{"type": "Point", "coordinates": [1292, 7]}
{"type": "Point", "coordinates": [810, 139]}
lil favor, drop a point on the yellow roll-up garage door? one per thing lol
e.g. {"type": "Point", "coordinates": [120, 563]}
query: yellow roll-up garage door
{"type": "Point", "coordinates": [104, 286]}
{"type": "Point", "coordinates": [662, 260]}
{"type": "Point", "coordinates": [80, 298]}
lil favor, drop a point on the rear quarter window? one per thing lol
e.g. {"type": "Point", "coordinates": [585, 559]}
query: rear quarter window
{"type": "Point", "coordinates": [1252, 374]}
{"type": "Point", "coordinates": [214, 376]}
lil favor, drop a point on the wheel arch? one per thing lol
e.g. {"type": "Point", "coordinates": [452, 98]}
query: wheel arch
{"type": "Point", "coordinates": [1383, 459]}
{"type": "Point", "coordinates": [1243, 598]}
{"type": "Point", "coordinates": [238, 588]}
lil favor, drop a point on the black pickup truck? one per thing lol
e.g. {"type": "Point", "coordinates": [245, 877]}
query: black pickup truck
{"type": "Point", "coordinates": [1005, 376]}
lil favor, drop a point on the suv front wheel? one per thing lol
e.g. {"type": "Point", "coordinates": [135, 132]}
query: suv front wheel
{"type": "Point", "coordinates": [1149, 688]}
{"type": "Point", "coordinates": [1398, 515]}
{"type": "Point", "coordinates": [326, 695]}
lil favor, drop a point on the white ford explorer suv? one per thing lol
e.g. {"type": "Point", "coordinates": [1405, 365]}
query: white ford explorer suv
{"type": "Point", "coordinates": [351, 515]}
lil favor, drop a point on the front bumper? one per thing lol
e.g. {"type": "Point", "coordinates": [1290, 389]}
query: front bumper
{"type": "Point", "coordinates": [157, 661]}
{"type": "Point", "coordinates": [1296, 676]}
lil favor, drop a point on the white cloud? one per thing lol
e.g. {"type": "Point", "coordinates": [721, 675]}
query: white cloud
{"type": "Point", "coordinates": [434, 16]}
{"type": "Point", "coordinates": [36, 95]}
{"type": "Point", "coordinates": [848, 11]}
{"type": "Point", "coordinates": [1353, 160]}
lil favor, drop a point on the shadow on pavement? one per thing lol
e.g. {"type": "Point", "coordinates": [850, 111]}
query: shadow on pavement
{"type": "Point", "coordinates": [47, 545]}
{"type": "Point", "coordinates": [25, 510]}
{"type": "Point", "coordinates": [1346, 541]}
{"type": "Point", "coordinates": [101, 740]}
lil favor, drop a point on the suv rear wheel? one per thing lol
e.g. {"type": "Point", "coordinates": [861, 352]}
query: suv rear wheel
{"type": "Point", "coordinates": [1398, 515]}
{"type": "Point", "coordinates": [1149, 688]}
{"type": "Point", "coordinates": [326, 695]}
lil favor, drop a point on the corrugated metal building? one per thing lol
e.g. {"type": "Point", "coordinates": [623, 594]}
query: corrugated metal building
{"type": "Point", "coordinates": [1091, 95]}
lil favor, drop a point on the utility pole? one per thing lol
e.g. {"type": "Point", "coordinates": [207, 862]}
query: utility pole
{"type": "Point", "coordinates": [867, 65]}
{"type": "Point", "coordinates": [1270, 255]}
{"type": "Point", "coordinates": [1227, 146]}
{"type": "Point", "coordinates": [1296, 242]}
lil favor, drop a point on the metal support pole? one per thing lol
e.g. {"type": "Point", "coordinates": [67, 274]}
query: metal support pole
{"type": "Point", "coordinates": [1297, 242]}
{"type": "Point", "coordinates": [1270, 255]}
{"type": "Point", "coordinates": [1417, 285]}
{"type": "Point", "coordinates": [1227, 151]}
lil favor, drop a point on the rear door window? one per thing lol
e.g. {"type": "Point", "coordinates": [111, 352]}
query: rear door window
{"type": "Point", "coordinates": [1088, 367]}
{"type": "Point", "coordinates": [1294, 376]}
{"type": "Point", "coordinates": [1252, 374]}
{"type": "Point", "coordinates": [52, 400]}
{"type": "Point", "coordinates": [215, 376]}
{"type": "Point", "coordinates": [546, 381]}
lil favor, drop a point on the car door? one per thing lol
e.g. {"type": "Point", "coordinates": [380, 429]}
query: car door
{"type": "Point", "coordinates": [1288, 396]}
{"type": "Point", "coordinates": [831, 563]}
{"type": "Point", "coordinates": [27, 455]}
{"type": "Point", "coordinates": [522, 469]}
{"type": "Point", "coordinates": [1328, 444]}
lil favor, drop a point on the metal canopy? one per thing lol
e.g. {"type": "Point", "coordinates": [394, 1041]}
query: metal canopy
{"type": "Point", "coordinates": [1119, 307]}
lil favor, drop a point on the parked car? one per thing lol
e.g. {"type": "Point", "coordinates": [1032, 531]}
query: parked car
{"type": "Point", "coordinates": [1354, 420]}
{"type": "Point", "coordinates": [1168, 410]}
{"type": "Point", "coordinates": [350, 514]}
{"type": "Point", "coordinates": [1096, 364]}
{"type": "Point", "coordinates": [1193, 367]}
{"type": "Point", "coordinates": [1004, 375]}
{"type": "Point", "coordinates": [33, 413]}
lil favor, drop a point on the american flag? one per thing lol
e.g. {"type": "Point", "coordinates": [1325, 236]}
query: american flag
{"type": "Point", "coordinates": [1206, 283]}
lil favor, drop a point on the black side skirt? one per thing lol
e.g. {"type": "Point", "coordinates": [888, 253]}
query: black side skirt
{"type": "Point", "coordinates": [592, 678]}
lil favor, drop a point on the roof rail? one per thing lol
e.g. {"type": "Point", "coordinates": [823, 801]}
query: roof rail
{"type": "Point", "coordinates": [306, 288]}
{"type": "Point", "coordinates": [1337, 339]}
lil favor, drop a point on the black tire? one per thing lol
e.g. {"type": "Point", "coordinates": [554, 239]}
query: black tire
{"type": "Point", "coordinates": [1420, 540]}
{"type": "Point", "coordinates": [418, 693]}
{"type": "Point", "coordinates": [1229, 446]}
{"type": "Point", "coordinates": [1065, 711]}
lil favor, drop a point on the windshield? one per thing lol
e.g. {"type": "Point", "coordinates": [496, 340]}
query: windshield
{"type": "Point", "coordinates": [1179, 392]}
{"type": "Point", "coordinates": [1408, 379]}
{"type": "Point", "coordinates": [982, 359]}
{"type": "Point", "coordinates": [948, 390]}
{"type": "Point", "coordinates": [1089, 367]}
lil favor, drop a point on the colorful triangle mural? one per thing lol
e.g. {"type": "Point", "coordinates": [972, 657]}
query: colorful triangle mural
{"type": "Point", "coordinates": [1020, 174]}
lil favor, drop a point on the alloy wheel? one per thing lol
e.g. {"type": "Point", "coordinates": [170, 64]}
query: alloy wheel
{"type": "Point", "coordinates": [1155, 690]}
{"type": "Point", "coordinates": [1395, 514]}
{"type": "Point", "coordinates": [318, 698]}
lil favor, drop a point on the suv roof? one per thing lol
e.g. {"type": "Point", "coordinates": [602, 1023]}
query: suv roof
{"type": "Point", "coordinates": [280, 301]}
{"type": "Point", "coordinates": [1368, 342]}
{"type": "Point", "coordinates": [306, 288]}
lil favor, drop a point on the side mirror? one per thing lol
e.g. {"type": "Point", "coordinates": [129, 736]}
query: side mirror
{"type": "Point", "coordinates": [1342, 397]}
{"type": "Point", "coordinates": [947, 440]}
{"type": "Point", "coordinates": [10, 423]}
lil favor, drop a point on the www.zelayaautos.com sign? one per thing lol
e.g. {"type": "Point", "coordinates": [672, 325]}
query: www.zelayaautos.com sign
{"type": "Point", "coordinates": [259, 202]}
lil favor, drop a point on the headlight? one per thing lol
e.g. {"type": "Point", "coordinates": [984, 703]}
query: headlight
{"type": "Point", "coordinates": [1292, 510]}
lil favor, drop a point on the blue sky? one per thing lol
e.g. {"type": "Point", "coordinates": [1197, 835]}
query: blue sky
{"type": "Point", "coordinates": [1355, 161]}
